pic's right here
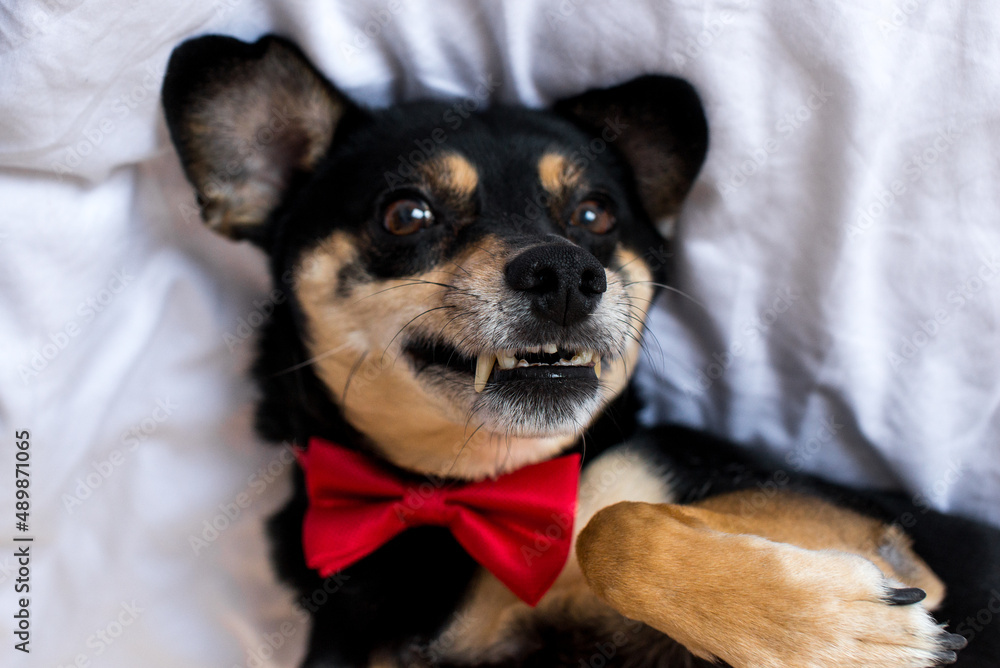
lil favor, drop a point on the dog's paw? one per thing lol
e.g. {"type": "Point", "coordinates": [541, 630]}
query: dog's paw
{"type": "Point", "coordinates": [866, 619]}
{"type": "Point", "coordinates": [753, 602]}
{"type": "Point", "coordinates": [837, 610]}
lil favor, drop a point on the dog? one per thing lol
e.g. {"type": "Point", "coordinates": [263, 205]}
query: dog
{"type": "Point", "coordinates": [465, 302]}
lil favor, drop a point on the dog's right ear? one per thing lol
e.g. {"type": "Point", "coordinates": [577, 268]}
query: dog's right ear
{"type": "Point", "coordinates": [245, 119]}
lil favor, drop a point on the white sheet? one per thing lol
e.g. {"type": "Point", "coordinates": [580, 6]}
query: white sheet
{"type": "Point", "coordinates": [864, 348]}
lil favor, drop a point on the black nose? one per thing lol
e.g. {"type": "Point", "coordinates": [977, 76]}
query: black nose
{"type": "Point", "coordinates": [565, 282]}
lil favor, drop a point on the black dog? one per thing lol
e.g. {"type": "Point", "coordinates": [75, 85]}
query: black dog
{"type": "Point", "coordinates": [466, 296]}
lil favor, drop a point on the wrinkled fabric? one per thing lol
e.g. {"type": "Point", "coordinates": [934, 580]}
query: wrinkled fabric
{"type": "Point", "coordinates": [838, 262]}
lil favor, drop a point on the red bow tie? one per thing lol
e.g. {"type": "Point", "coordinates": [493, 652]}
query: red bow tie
{"type": "Point", "coordinates": [519, 526]}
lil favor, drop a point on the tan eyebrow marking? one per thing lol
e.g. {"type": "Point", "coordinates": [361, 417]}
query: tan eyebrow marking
{"type": "Point", "coordinates": [452, 172]}
{"type": "Point", "coordinates": [557, 173]}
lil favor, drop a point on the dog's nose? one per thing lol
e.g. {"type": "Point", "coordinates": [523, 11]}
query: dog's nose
{"type": "Point", "coordinates": [565, 282]}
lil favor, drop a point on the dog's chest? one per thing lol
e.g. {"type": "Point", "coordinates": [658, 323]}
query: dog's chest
{"type": "Point", "coordinates": [492, 625]}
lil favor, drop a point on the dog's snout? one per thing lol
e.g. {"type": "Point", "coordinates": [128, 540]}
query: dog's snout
{"type": "Point", "coordinates": [564, 282]}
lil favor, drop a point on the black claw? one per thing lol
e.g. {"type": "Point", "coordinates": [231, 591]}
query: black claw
{"type": "Point", "coordinates": [906, 596]}
{"type": "Point", "coordinates": [953, 641]}
{"type": "Point", "coordinates": [945, 658]}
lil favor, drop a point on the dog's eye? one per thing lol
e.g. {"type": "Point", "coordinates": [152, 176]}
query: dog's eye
{"type": "Point", "coordinates": [407, 216]}
{"type": "Point", "coordinates": [593, 216]}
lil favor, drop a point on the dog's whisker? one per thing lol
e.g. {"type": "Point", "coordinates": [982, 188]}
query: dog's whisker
{"type": "Point", "coordinates": [648, 352]}
{"type": "Point", "coordinates": [670, 288]}
{"type": "Point", "coordinates": [485, 250]}
{"type": "Point", "coordinates": [624, 266]}
{"type": "Point", "coordinates": [410, 322]}
{"type": "Point", "coordinates": [467, 272]}
{"type": "Point", "coordinates": [445, 326]}
{"type": "Point", "coordinates": [462, 448]}
{"type": "Point", "coordinates": [389, 289]}
{"type": "Point", "coordinates": [310, 361]}
{"type": "Point", "coordinates": [350, 376]}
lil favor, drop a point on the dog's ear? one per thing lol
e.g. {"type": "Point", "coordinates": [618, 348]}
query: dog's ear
{"type": "Point", "coordinates": [246, 118]}
{"type": "Point", "coordinates": [658, 125]}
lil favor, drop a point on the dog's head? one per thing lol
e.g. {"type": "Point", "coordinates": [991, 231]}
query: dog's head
{"type": "Point", "coordinates": [468, 286]}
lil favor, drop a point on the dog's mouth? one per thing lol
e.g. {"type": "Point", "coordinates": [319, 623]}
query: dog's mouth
{"type": "Point", "coordinates": [541, 363]}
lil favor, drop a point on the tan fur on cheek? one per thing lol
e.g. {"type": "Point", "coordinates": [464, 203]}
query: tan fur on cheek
{"type": "Point", "coordinates": [355, 342]}
{"type": "Point", "coordinates": [633, 277]}
{"type": "Point", "coordinates": [350, 339]}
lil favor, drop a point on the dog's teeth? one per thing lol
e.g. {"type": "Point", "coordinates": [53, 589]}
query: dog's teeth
{"type": "Point", "coordinates": [597, 367]}
{"type": "Point", "coordinates": [582, 358]}
{"type": "Point", "coordinates": [550, 349]}
{"type": "Point", "coordinates": [522, 363]}
{"type": "Point", "coordinates": [484, 367]}
{"type": "Point", "coordinates": [533, 349]}
{"type": "Point", "coordinates": [506, 359]}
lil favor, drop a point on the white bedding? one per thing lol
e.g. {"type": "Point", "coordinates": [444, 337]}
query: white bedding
{"type": "Point", "coordinates": [842, 245]}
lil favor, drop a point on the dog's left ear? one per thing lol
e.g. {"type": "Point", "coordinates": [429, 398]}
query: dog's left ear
{"type": "Point", "coordinates": [658, 125]}
{"type": "Point", "coordinates": [246, 118]}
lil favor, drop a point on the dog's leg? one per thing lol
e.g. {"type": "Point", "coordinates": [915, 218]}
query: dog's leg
{"type": "Point", "coordinates": [791, 582]}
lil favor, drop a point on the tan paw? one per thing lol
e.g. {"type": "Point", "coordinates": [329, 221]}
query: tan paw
{"type": "Point", "coordinates": [839, 611]}
{"type": "Point", "coordinates": [752, 602]}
